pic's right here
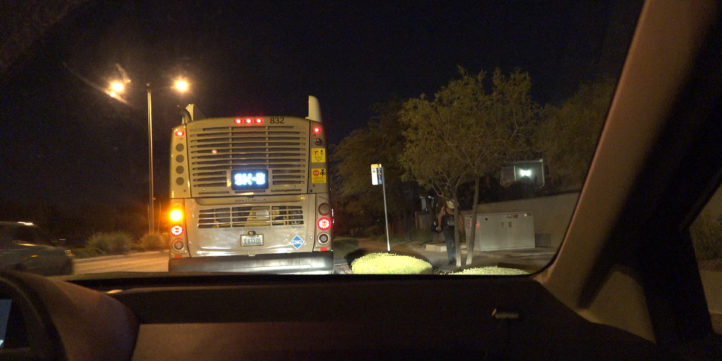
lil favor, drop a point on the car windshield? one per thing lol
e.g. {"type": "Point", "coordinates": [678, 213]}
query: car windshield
{"type": "Point", "coordinates": [306, 136]}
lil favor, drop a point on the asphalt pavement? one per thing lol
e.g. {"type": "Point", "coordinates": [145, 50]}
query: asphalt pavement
{"type": "Point", "coordinates": [154, 261]}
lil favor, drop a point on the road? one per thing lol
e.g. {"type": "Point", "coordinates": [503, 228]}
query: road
{"type": "Point", "coordinates": [137, 262]}
{"type": "Point", "coordinates": [158, 261]}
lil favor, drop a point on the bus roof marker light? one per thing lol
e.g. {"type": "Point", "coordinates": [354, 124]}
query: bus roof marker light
{"type": "Point", "coordinates": [259, 121]}
{"type": "Point", "coordinates": [249, 120]}
{"type": "Point", "coordinates": [238, 121]}
{"type": "Point", "coordinates": [180, 133]}
{"type": "Point", "coordinates": [316, 130]}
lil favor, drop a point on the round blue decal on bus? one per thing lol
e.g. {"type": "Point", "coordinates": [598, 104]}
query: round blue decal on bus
{"type": "Point", "coordinates": [297, 242]}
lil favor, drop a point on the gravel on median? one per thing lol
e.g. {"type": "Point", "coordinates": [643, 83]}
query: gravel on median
{"type": "Point", "coordinates": [389, 263]}
{"type": "Point", "coordinates": [490, 271]}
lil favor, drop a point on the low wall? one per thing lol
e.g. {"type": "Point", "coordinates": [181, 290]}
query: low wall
{"type": "Point", "coordinates": [551, 215]}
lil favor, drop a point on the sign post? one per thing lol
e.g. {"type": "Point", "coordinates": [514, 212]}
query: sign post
{"type": "Point", "coordinates": [377, 177]}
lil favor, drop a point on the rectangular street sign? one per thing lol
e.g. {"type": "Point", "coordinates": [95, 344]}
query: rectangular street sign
{"type": "Point", "coordinates": [377, 174]}
{"type": "Point", "coordinates": [377, 177]}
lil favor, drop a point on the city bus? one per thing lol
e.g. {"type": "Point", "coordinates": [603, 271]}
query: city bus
{"type": "Point", "coordinates": [250, 194]}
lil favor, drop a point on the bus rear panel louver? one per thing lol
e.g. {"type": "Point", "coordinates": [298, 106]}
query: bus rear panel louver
{"type": "Point", "coordinates": [250, 216]}
{"type": "Point", "coordinates": [214, 152]}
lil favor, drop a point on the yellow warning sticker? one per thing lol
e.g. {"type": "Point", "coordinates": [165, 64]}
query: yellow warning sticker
{"type": "Point", "coordinates": [318, 155]}
{"type": "Point", "coordinates": [318, 175]}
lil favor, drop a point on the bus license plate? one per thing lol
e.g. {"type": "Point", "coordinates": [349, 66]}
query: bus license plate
{"type": "Point", "coordinates": [255, 240]}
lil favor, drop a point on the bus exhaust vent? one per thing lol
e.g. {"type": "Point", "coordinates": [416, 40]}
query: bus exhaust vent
{"type": "Point", "coordinates": [216, 151]}
{"type": "Point", "coordinates": [250, 216]}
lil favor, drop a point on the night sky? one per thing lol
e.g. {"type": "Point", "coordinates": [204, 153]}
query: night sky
{"type": "Point", "coordinates": [66, 144]}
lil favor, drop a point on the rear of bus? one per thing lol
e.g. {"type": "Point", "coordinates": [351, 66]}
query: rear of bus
{"type": "Point", "coordinates": [250, 194]}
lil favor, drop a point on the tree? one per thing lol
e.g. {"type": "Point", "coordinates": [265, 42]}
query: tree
{"type": "Point", "coordinates": [568, 134]}
{"type": "Point", "coordinates": [379, 142]}
{"type": "Point", "coordinates": [465, 132]}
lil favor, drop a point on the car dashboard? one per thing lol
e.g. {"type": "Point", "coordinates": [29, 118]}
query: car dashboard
{"type": "Point", "coordinates": [234, 317]}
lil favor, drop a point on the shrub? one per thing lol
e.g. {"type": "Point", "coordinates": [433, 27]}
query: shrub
{"type": "Point", "coordinates": [154, 241]}
{"type": "Point", "coordinates": [110, 243]}
{"type": "Point", "coordinates": [706, 235]}
{"type": "Point", "coordinates": [84, 252]}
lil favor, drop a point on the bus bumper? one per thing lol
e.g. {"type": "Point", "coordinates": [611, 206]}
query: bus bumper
{"type": "Point", "coordinates": [280, 263]}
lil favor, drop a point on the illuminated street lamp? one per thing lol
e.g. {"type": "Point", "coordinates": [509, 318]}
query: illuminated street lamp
{"type": "Point", "coordinates": [181, 85]}
{"type": "Point", "coordinates": [114, 90]}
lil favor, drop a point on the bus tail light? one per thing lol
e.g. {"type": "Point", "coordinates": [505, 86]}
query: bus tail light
{"type": "Point", "coordinates": [324, 209]}
{"type": "Point", "coordinates": [324, 223]}
{"type": "Point", "coordinates": [178, 244]}
{"type": "Point", "coordinates": [176, 230]}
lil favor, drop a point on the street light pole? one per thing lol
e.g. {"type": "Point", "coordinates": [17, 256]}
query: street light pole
{"type": "Point", "coordinates": [114, 90]}
{"type": "Point", "coordinates": [151, 208]}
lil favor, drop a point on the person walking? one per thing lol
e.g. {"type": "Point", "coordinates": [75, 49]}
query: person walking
{"type": "Point", "coordinates": [447, 221]}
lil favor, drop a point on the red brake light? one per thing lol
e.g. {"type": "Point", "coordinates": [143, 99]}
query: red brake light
{"type": "Point", "coordinates": [180, 133]}
{"type": "Point", "coordinates": [316, 130]}
{"type": "Point", "coordinates": [176, 230]}
{"type": "Point", "coordinates": [324, 223]}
